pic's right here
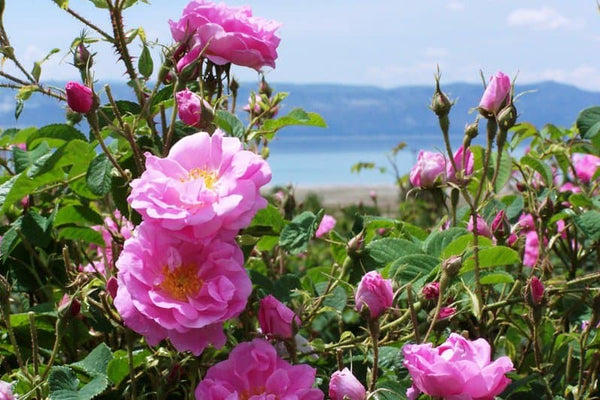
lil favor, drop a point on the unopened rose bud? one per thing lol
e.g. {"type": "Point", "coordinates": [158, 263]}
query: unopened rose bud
{"type": "Point", "coordinates": [326, 225]}
{"type": "Point", "coordinates": [472, 130]}
{"type": "Point", "coordinates": [82, 59]}
{"type": "Point", "coordinates": [80, 98]}
{"type": "Point", "coordinates": [501, 226]}
{"type": "Point", "coordinates": [451, 266]}
{"type": "Point", "coordinates": [69, 306]}
{"type": "Point", "coordinates": [495, 96]}
{"type": "Point", "coordinates": [344, 386]}
{"type": "Point", "coordinates": [535, 291]}
{"type": "Point", "coordinates": [276, 319]}
{"type": "Point", "coordinates": [356, 244]}
{"type": "Point", "coordinates": [265, 88]}
{"type": "Point", "coordinates": [374, 293]}
{"type": "Point", "coordinates": [440, 103]}
{"type": "Point", "coordinates": [507, 117]}
{"type": "Point", "coordinates": [193, 110]}
{"type": "Point", "coordinates": [431, 291]}
{"type": "Point", "coordinates": [112, 285]}
{"type": "Point", "coordinates": [446, 312]}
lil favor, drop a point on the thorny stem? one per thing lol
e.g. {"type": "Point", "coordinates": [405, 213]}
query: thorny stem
{"type": "Point", "coordinates": [374, 332]}
{"type": "Point", "coordinates": [90, 24]}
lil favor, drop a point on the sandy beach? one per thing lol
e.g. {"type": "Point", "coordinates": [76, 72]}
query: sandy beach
{"type": "Point", "coordinates": [344, 195]}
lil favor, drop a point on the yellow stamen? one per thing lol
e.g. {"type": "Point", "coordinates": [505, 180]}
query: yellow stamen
{"type": "Point", "coordinates": [210, 177]}
{"type": "Point", "coordinates": [181, 282]}
{"type": "Point", "coordinates": [246, 394]}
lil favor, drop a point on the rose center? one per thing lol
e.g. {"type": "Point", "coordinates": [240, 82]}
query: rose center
{"type": "Point", "coordinates": [181, 282]}
{"type": "Point", "coordinates": [255, 391]}
{"type": "Point", "coordinates": [209, 177]}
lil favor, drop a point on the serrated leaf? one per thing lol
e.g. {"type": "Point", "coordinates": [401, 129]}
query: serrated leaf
{"type": "Point", "coordinates": [55, 135]}
{"type": "Point", "coordinates": [97, 361]}
{"type": "Point", "coordinates": [98, 177]}
{"type": "Point", "coordinates": [10, 239]}
{"type": "Point", "coordinates": [81, 233]}
{"type": "Point", "coordinates": [589, 224]}
{"type": "Point", "coordinates": [283, 287]}
{"type": "Point", "coordinates": [24, 159]}
{"type": "Point", "coordinates": [437, 241]}
{"type": "Point", "coordinates": [145, 64]}
{"type": "Point", "coordinates": [64, 385]}
{"type": "Point", "coordinates": [77, 215]}
{"type": "Point", "coordinates": [540, 167]}
{"type": "Point", "coordinates": [296, 235]}
{"type": "Point", "coordinates": [118, 367]}
{"type": "Point", "coordinates": [295, 117]}
{"type": "Point", "coordinates": [504, 171]}
{"type": "Point", "coordinates": [497, 277]}
{"type": "Point", "coordinates": [492, 257]}
{"type": "Point", "coordinates": [381, 252]}
{"type": "Point", "coordinates": [336, 299]}
{"type": "Point", "coordinates": [588, 122]}
{"type": "Point", "coordinates": [269, 217]}
{"type": "Point", "coordinates": [413, 266]}
{"type": "Point", "coordinates": [229, 123]}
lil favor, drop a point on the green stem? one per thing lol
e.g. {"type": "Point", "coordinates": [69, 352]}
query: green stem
{"type": "Point", "coordinates": [374, 331]}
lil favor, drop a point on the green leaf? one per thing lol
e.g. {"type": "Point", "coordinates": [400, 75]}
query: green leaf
{"type": "Point", "coordinates": [581, 200]}
{"type": "Point", "coordinates": [282, 289]}
{"type": "Point", "coordinates": [34, 228]}
{"type": "Point", "coordinates": [588, 122]}
{"type": "Point", "coordinates": [541, 167]}
{"type": "Point", "coordinates": [296, 235]}
{"type": "Point", "coordinates": [97, 361]}
{"type": "Point", "coordinates": [55, 135]}
{"type": "Point", "coordinates": [145, 64]}
{"type": "Point", "coordinates": [504, 172]}
{"type": "Point", "coordinates": [229, 123]}
{"type": "Point", "coordinates": [269, 217]}
{"type": "Point", "coordinates": [496, 277]}
{"type": "Point", "coordinates": [82, 233]}
{"type": "Point", "coordinates": [98, 177]}
{"type": "Point", "coordinates": [589, 223]}
{"type": "Point", "coordinates": [64, 4]}
{"type": "Point", "coordinates": [492, 257]}
{"type": "Point", "coordinates": [64, 385]}
{"type": "Point", "coordinates": [439, 240]}
{"type": "Point", "coordinates": [381, 252]}
{"type": "Point", "coordinates": [10, 239]}
{"type": "Point", "coordinates": [336, 299]}
{"type": "Point", "coordinates": [413, 266]}
{"type": "Point", "coordinates": [295, 117]}
{"type": "Point", "coordinates": [78, 215]}
{"type": "Point", "coordinates": [24, 159]}
{"type": "Point", "coordinates": [118, 367]}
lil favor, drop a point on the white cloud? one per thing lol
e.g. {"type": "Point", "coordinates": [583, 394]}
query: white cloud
{"type": "Point", "coordinates": [455, 5]}
{"type": "Point", "coordinates": [584, 76]}
{"type": "Point", "coordinates": [539, 19]}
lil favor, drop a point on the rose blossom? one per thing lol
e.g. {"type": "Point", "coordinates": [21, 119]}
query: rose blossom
{"type": "Point", "coordinates": [464, 162]}
{"type": "Point", "coordinates": [254, 371]}
{"type": "Point", "coordinates": [205, 184]}
{"type": "Point", "coordinates": [375, 293]}
{"type": "Point", "coordinates": [429, 170]}
{"type": "Point", "coordinates": [171, 288]}
{"type": "Point", "coordinates": [344, 386]}
{"type": "Point", "coordinates": [585, 166]}
{"type": "Point", "coordinates": [457, 369]}
{"type": "Point", "coordinates": [6, 392]}
{"type": "Point", "coordinates": [79, 97]}
{"type": "Point", "coordinates": [532, 241]}
{"type": "Point", "coordinates": [275, 318]}
{"type": "Point", "coordinates": [230, 35]}
{"type": "Point", "coordinates": [496, 94]}
{"type": "Point", "coordinates": [326, 225]}
{"type": "Point", "coordinates": [189, 106]}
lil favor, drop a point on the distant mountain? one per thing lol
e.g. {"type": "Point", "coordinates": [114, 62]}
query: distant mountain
{"type": "Point", "coordinates": [363, 117]}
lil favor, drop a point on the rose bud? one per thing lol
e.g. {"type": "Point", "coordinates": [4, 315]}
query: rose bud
{"type": "Point", "coordinates": [536, 291]}
{"type": "Point", "coordinates": [80, 98]}
{"type": "Point", "coordinates": [431, 291]}
{"type": "Point", "coordinates": [344, 386]}
{"type": "Point", "coordinates": [375, 293]}
{"type": "Point", "coordinates": [482, 227]}
{"type": "Point", "coordinates": [446, 312]}
{"type": "Point", "coordinates": [192, 109]}
{"type": "Point", "coordinates": [495, 96]}
{"type": "Point", "coordinates": [82, 58]}
{"type": "Point", "coordinates": [429, 170]}
{"type": "Point", "coordinates": [276, 319]}
{"type": "Point", "coordinates": [325, 226]}
{"type": "Point", "coordinates": [464, 161]}
{"type": "Point", "coordinates": [501, 226]}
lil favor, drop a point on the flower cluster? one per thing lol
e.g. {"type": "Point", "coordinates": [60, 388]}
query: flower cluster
{"type": "Point", "coordinates": [182, 274]}
{"type": "Point", "coordinates": [434, 169]}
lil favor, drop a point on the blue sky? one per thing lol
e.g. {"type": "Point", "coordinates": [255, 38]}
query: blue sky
{"type": "Point", "coordinates": [384, 43]}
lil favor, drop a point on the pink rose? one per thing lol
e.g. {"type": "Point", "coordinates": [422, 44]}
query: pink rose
{"type": "Point", "coordinates": [429, 170]}
{"type": "Point", "coordinates": [232, 34]}
{"type": "Point", "coordinates": [276, 319]}
{"type": "Point", "coordinates": [496, 94]}
{"type": "Point", "coordinates": [344, 386]}
{"type": "Point", "coordinates": [532, 241]}
{"type": "Point", "coordinates": [189, 106]}
{"type": "Point", "coordinates": [585, 166]}
{"type": "Point", "coordinates": [536, 290]}
{"type": "Point", "coordinates": [446, 312]}
{"type": "Point", "coordinates": [482, 227]}
{"type": "Point", "coordinates": [431, 291]}
{"type": "Point", "coordinates": [458, 367]}
{"type": "Point", "coordinates": [180, 290]}
{"type": "Point", "coordinates": [254, 371]}
{"type": "Point", "coordinates": [501, 225]}
{"type": "Point", "coordinates": [326, 225]}
{"type": "Point", "coordinates": [375, 293]}
{"type": "Point", "coordinates": [464, 162]}
{"type": "Point", "coordinates": [79, 97]}
{"type": "Point", "coordinates": [6, 392]}
{"type": "Point", "coordinates": [205, 184]}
